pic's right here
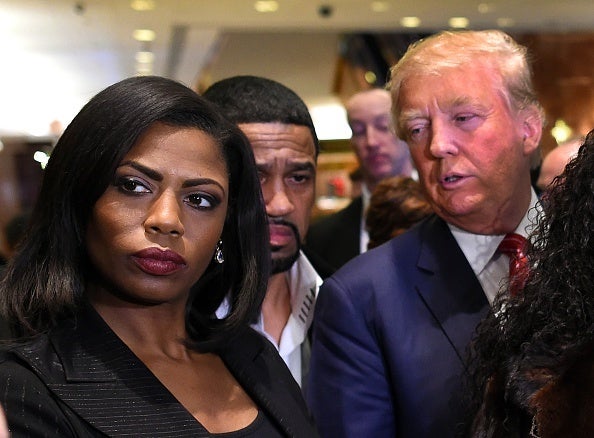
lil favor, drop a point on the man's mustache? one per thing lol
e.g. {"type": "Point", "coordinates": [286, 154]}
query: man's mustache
{"type": "Point", "coordinates": [292, 226]}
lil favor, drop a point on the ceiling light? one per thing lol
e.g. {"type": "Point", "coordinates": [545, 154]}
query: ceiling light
{"type": "Point", "coordinates": [459, 22]}
{"type": "Point", "coordinates": [561, 131]}
{"type": "Point", "coordinates": [42, 158]}
{"type": "Point", "coordinates": [142, 5]}
{"type": "Point", "coordinates": [505, 22]}
{"type": "Point", "coordinates": [410, 21]}
{"type": "Point", "coordinates": [379, 6]}
{"type": "Point", "coordinates": [370, 77]}
{"type": "Point", "coordinates": [144, 35]}
{"type": "Point", "coordinates": [266, 6]}
{"type": "Point", "coordinates": [485, 8]}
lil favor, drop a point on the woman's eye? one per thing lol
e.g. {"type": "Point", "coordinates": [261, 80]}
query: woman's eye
{"type": "Point", "coordinates": [201, 201]}
{"type": "Point", "coordinates": [131, 185]}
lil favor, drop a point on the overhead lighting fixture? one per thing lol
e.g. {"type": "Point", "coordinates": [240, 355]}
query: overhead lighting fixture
{"type": "Point", "coordinates": [370, 77]}
{"type": "Point", "coordinates": [379, 6]}
{"type": "Point", "coordinates": [266, 6]}
{"type": "Point", "coordinates": [142, 5]}
{"type": "Point", "coordinates": [410, 21]}
{"type": "Point", "coordinates": [459, 22]}
{"type": "Point", "coordinates": [505, 22]}
{"type": "Point", "coordinates": [42, 158]}
{"type": "Point", "coordinates": [561, 131]}
{"type": "Point", "coordinates": [485, 8]}
{"type": "Point", "coordinates": [144, 35]}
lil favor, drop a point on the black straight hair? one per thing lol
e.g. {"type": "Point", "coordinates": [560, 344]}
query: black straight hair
{"type": "Point", "coordinates": [45, 281]}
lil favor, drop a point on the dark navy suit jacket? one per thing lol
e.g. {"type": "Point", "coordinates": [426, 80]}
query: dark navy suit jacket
{"type": "Point", "coordinates": [390, 332]}
{"type": "Point", "coordinates": [81, 380]}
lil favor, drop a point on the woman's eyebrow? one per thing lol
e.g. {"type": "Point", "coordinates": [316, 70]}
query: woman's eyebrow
{"type": "Point", "coordinates": [151, 173]}
{"type": "Point", "coordinates": [154, 175]}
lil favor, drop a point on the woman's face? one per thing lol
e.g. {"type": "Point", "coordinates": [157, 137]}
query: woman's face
{"type": "Point", "coordinates": [153, 232]}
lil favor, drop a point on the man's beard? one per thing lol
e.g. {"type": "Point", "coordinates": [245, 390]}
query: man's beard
{"type": "Point", "coordinates": [283, 264]}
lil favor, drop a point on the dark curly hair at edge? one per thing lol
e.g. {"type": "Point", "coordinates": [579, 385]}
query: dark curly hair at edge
{"type": "Point", "coordinates": [45, 281]}
{"type": "Point", "coordinates": [527, 340]}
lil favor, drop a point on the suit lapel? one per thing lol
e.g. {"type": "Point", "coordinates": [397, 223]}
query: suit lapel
{"type": "Point", "coordinates": [448, 285]}
{"type": "Point", "coordinates": [111, 389]}
{"type": "Point", "coordinates": [268, 382]}
{"type": "Point", "coordinates": [108, 387]}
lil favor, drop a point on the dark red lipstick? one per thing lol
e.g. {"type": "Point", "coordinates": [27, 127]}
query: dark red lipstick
{"type": "Point", "coordinates": [156, 261]}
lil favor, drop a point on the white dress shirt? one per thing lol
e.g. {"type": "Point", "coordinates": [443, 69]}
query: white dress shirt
{"type": "Point", "coordinates": [364, 235]}
{"type": "Point", "coordinates": [304, 284]}
{"type": "Point", "coordinates": [490, 266]}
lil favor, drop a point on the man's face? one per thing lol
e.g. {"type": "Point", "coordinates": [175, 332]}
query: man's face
{"type": "Point", "coordinates": [380, 153]}
{"type": "Point", "coordinates": [471, 150]}
{"type": "Point", "coordinates": [285, 157]}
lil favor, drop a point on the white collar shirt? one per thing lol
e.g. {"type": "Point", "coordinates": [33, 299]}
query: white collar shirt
{"type": "Point", "coordinates": [304, 284]}
{"type": "Point", "coordinates": [364, 235]}
{"type": "Point", "coordinates": [490, 266]}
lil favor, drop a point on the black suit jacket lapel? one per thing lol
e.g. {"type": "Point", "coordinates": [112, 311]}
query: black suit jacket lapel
{"type": "Point", "coordinates": [261, 372]}
{"type": "Point", "coordinates": [103, 383]}
{"type": "Point", "coordinates": [449, 286]}
{"type": "Point", "coordinates": [111, 389]}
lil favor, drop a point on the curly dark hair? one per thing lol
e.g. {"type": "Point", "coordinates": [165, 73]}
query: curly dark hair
{"type": "Point", "coordinates": [531, 338]}
{"type": "Point", "coordinates": [396, 204]}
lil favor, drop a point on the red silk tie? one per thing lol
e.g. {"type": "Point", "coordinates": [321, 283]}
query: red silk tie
{"type": "Point", "coordinates": [514, 246]}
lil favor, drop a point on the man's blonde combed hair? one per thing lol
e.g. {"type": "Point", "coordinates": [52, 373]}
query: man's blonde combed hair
{"type": "Point", "coordinates": [452, 49]}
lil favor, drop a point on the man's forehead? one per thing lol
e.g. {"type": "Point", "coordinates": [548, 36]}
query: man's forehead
{"type": "Point", "coordinates": [276, 135]}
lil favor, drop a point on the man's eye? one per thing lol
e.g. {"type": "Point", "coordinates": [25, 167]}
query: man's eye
{"type": "Point", "coordinates": [415, 131]}
{"type": "Point", "coordinates": [464, 117]}
{"type": "Point", "coordinates": [358, 130]}
{"type": "Point", "coordinates": [299, 178]}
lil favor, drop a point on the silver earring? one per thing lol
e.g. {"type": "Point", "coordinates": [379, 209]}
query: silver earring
{"type": "Point", "coordinates": [218, 256]}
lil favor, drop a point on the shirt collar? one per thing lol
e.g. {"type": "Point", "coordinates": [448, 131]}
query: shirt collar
{"type": "Point", "coordinates": [479, 249]}
{"type": "Point", "coordinates": [366, 197]}
{"type": "Point", "coordinates": [304, 283]}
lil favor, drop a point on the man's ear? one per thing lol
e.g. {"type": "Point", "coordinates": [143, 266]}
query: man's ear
{"type": "Point", "coordinates": [531, 129]}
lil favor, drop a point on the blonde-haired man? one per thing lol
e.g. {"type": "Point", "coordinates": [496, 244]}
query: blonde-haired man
{"type": "Point", "coordinates": [392, 326]}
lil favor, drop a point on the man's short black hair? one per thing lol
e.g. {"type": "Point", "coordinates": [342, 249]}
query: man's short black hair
{"type": "Point", "coordinates": [254, 99]}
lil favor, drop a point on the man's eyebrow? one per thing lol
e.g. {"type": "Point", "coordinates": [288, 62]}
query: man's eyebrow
{"type": "Point", "coordinates": [303, 166]}
{"type": "Point", "coordinates": [306, 165]}
{"type": "Point", "coordinates": [408, 115]}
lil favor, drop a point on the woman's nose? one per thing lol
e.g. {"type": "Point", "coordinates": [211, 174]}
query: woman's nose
{"type": "Point", "coordinates": [164, 216]}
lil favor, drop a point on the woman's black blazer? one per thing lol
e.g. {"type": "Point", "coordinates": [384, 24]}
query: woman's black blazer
{"type": "Point", "coordinates": [81, 380]}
